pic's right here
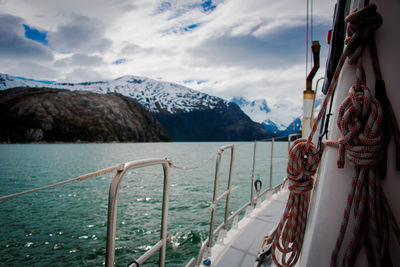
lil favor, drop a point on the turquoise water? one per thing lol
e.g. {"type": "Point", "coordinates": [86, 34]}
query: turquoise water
{"type": "Point", "coordinates": [67, 225]}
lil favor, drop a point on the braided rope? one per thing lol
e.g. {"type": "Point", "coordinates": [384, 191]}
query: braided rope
{"type": "Point", "coordinates": [289, 235]}
{"type": "Point", "coordinates": [365, 151]}
{"type": "Point", "coordinates": [295, 197]}
{"type": "Point", "coordinates": [361, 142]}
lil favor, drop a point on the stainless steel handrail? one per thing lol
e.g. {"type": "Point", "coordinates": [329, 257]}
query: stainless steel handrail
{"type": "Point", "coordinates": [227, 219]}
{"type": "Point", "coordinates": [112, 209]}
{"type": "Point", "coordinates": [220, 227]}
{"type": "Point", "coordinates": [270, 167]}
{"type": "Point", "coordinates": [253, 174]}
{"type": "Point", "coordinates": [227, 192]}
{"type": "Point", "coordinates": [207, 244]}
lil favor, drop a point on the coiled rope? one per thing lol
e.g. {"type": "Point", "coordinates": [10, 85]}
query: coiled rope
{"type": "Point", "coordinates": [361, 142]}
{"type": "Point", "coordinates": [288, 237]}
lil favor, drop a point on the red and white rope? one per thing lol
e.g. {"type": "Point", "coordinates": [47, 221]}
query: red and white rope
{"type": "Point", "coordinates": [361, 142]}
{"type": "Point", "coordinates": [288, 237]}
{"type": "Point", "coordinates": [359, 119]}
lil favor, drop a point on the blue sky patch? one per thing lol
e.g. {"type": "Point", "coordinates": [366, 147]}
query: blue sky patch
{"type": "Point", "coordinates": [190, 27]}
{"type": "Point", "coordinates": [35, 34]}
{"type": "Point", "coordinates": [208, 6]}
{"type": "Point", "coordinates": [120, 61]}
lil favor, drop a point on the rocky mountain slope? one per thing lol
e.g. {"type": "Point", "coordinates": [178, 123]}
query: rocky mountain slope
{"type": "Point", "coordinates": [224, 123]}
{"type": "Point", "coordinates": [188, 115]}
{"type": "Point", "coordinates": [52, 115]}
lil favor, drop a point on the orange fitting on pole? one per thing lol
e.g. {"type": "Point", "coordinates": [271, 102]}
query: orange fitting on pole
{"type": "Point", "coordinates": [309, 94]}
{"type": "Point", "coordinates": [315, 47]}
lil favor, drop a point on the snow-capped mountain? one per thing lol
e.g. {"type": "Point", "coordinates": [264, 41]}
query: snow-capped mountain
{"type": "Point", "coordinates": [188, 115]}
{"type": "Point", "coordinates": [155, 95]}
{"type": "Point", "coordinates": [276, 119]}
{"type": "Point", "coordinates": [258, 108]}
{"type": "Point", "coordinates": [294, 127]}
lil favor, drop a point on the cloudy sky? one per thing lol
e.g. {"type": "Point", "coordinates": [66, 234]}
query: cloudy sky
{"type": "Point", "coordinates": [227, 48]}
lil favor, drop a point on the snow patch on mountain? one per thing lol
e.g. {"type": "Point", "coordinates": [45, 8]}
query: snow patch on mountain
{"type": "Point", "coordinates": [257, 108]}
{"type": "Point", "coordinates": [284, 113]}
{"type": "Point", "coordinates": [156, 96]}
{"type": "Point", "coordinates": [273, 127]}
{"type": "Point", "coordinates": [275, 119]}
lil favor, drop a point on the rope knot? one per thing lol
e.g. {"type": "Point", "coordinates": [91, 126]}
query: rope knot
{"type": "Point", "coordinates": [362, 24]}
{"type": "Point", "coordinates": [303, 162]}
{"type": "Point", "coordinates": [360, 115]}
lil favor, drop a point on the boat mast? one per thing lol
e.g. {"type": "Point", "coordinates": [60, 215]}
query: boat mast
{"type": "Point", "coordinates": [309, 94]}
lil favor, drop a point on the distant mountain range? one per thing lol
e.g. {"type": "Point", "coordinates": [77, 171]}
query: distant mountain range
{"type": "Point", "coordinates": [156, 96]}
{"type": "Point", "coordinates": [188, 115]}
{"type": "Point", "coordinates": [280, 119]}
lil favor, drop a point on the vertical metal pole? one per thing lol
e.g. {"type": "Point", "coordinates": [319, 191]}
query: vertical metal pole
{"type": "Point", "coordinates": [253, 174]}
{"type": "Point", "coordinates": [112, 217]}
{"type": "Point", "coordinates": [270, 169]}
{"type": "Point", "coordinates": [214, 207]}
{"type": "Point", "coordinates": [164, 218]}
{"type": "Point", "coordinates": [228, 196]}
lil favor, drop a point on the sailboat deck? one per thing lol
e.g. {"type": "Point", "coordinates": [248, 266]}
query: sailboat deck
{"type": "Point", "coordinates": [241, 246]}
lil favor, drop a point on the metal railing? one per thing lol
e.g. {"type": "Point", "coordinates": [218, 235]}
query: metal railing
{"type": "Point", "coordinates": [226, 194]}
{"type": "Point", "coordinates": [121, 170]}
{"type": "Point", "coordinates": [112, 210]}
{"type": "Point", "coordinates": [208, 243]}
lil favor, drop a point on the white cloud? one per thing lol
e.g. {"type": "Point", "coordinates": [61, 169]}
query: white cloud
{"type": "Point", "coordinates": [253, 48]}
{"type": "Point", "coordinates": [81, 34]}
{"type": "Point", "coordinates": [83, 74]}
{"type": "Point", "coordinates": [31, 69]}
{"type": "Point", "coordinates": [79, 60]}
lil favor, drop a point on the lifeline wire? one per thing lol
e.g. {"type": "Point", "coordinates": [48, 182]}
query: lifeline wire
{"type": "Point", "coordinates": [80, 178]}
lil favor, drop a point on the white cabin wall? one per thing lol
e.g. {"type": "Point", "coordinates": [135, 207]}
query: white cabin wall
{"type": "Point", "coordinates": [388, 48]}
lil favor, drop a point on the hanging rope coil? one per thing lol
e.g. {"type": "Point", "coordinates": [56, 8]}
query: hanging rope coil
{"type": "Point", "coordinates": [288, 237]}
{"type": "Point", "coordinates": [361, 142]}
{"type": "Point", "coordinates": [303, 162]}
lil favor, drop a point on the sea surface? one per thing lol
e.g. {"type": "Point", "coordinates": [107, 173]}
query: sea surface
{"type": "Point", "coordinates": [67, 225]}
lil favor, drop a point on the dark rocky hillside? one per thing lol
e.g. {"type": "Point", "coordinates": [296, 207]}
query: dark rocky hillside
{"type": "Point", "coordinates": [227, 122]}
{"type": "Point", "coordinates": [54, 115]}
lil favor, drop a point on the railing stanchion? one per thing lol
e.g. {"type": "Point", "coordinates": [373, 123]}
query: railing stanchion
{"type": "Point", "coordinates": [164, 219]}
{"type": "Point", "coordinates": [270, 169]}
{"type": "Point", "coordinates": [228, 196]}
{"type": "Point", "coordinates": [215, 195]}
{"type": "Point", "coordinates": [112, 216]}
{"type": "Point", "coordinates": [253, 174]}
